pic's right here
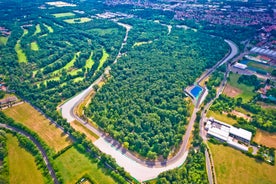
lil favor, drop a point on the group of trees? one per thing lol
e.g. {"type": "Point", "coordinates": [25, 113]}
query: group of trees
{"type": "Point", "coordinates": [213, 82]}
{"type": "Point", "coordinates": [261, 118]}
{"type": "Point", "coordinates": [194, 169]}
{"type": "Point", "coordinates": [4, 169]}
{"type": "Point", "coordinates": [250, 80]}
{"type": "Point", "coordinates": [142, 104]}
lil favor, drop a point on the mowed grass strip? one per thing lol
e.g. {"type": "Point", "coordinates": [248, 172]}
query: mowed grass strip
{"type": "Point", "coordinates": [22, 58]}
{"type": "Point", "coordinates": [34, 46]}
{"type": "Point", "coordinates": [31, 118]}
{"type": "Point", "coordinates": [81, 128]}
{"type": "Point", "coordinates": [50, 29]}
{"type": "Point", "coordinates": [103, 59]}
{"type": "Point", "coordinates": [77, 20]}
{"type": "Point", "coordinates": [265, 138]}
{"type": "Point", "coordinates": [22, 166]}
{"type": "Point", "coordinates": [246, 91]}
{"type": "Point", "coordinates": [221, 117]}
{"type": "Point", "coordinates": [89, 62]}
{"type": "Point", "coordinates": [66, 14]}
{"type": "Point", "coordinates": [73, 165]}
{"type": "Point", "coordinates": [232, 166]}
{"type": "Point", "coordinates": [37, 29]}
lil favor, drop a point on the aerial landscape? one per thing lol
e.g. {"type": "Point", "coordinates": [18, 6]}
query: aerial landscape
{"type": "Point", "coordinates": [138, 91]}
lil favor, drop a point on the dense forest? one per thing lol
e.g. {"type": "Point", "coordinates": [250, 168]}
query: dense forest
{"type": "Point", "coordinates": [142, 105]}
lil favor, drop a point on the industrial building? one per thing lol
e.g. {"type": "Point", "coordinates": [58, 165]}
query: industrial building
{"type": "Point", "coordinates": [240, 66]}
{"type": "Point", "coordinates": [235, 137]}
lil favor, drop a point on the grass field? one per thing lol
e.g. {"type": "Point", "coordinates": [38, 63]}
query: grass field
{"type": "Point", "coordinates": [103, 59]}
{"type": "Point", "coordinates": [22, 166]}
{"type": "Point", "coordinates": [265, 138]}
{"type": "Point", "coordinates": [221, 117]}
{"type": "Point", "coordinates": [80, 128]}
{"type": "Point", "coordinates": [3, 40]}
{"type": "Point", "coordinates": [60, 15]}
{"type": "Point", "coordinates": [242, 90]}
{"type": "Point", "coordinates": [37, 29]}
{"type": "Point", "coordinates": [78, 20]}
{"type": "Point", "coordinates": [73, 165]}
{"type": "Point", "coordinates": [89, 61]}
{"type": "Point", "coordinates": [35, 121]}
{"type": "Point", "coordinates": [260, 66]}
{"type": "Point", "coordinates": [20, 53]}
{"type": "Point", "coordinates": [232, 166]}
{"type": "Point", "coordinates": [50, 29]}
{"type": "Point", "coordinates": [34, 46]}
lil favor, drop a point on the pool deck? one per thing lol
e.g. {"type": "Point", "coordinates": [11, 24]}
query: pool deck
{"type": "Point", "coordinates": [201, 96]}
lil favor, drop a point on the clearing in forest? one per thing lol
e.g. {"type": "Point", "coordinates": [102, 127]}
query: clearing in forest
{"type": "Point", "coordinates": [68, 65]}
{"type": "Point", "coordinates": [34, 46]}
{"type": "Point", "coordinates": [3, 40]}
{"type": "Point", "coordinates": [37, 29]}
{"type": "Point", "coordinates": [265, 138]}
{"type": "Point", "coordinates": [89, 61]}
{"type": "Point", "coordinates": [232, 166]}
{"type": "Point", "coordinates": [74, 165]}
{"type": "Point", "coordinates": [103, 59]}
{"type": "Point", "coordinates": [31, 118]}
{"type": "Point", "coordinates": [66, 14]}
{"type": "Point", "coordinates": [237, 90]}
{"type": "Point", "coordinates": [50, 29]}
{"type": "Point", "coordinates": [77, 20]}
{"type": "Point", "coordinates": [22, 166]}
{"type": "Point", "coordinates": [20, 53]}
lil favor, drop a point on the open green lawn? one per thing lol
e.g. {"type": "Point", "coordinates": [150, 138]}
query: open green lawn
{"type": "Point", "coordinates": [221, 117]}
{"type": "Point", "coordinates": [232, 166]}
{"type": "Point", "coordinates": [103, 59]}
{"type": "Point", "coordinates": [89, 61]}
{"type": "Point", "coordinates": [37, 29]}
{"type": "Point", "coordinates": [246, 91]}
{"type": "Point", "coordinates": [60, 15]}
{"type": "Point", "coordinates": [34, 46]}
{"type": "Point", "coordinates": [3, 40]}
{"type": "Point", "coordinates": [260, 66]}
{"type": "Point", "coordinates": [73, 165]}
{"type": "Point", "coordinates": [103, 31]}
{"type": "Point", "coordinates": [50, 29]}
{"type": "Point", "coordinates": [68, 65]}
{"type": "Point", "coordinates": [78, 20]}
{"type": "Point", "coordinates": [22, 166]}
{"type": "Point", "coordinates": [20, 53]}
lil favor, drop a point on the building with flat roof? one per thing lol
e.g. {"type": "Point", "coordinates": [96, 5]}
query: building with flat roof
{"type": "Point", "coordinates": [240, 66]}
{"type": "Point", "coordinates": [229, 134]}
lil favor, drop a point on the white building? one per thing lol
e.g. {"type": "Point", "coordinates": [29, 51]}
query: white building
{"type": "Point", "coordinates": [229, 134]}
{"type": "Point", "coordinates": [240, 66]}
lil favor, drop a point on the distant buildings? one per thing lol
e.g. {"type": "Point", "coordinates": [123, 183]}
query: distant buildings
{"type": "Point", "coordinates": [235, 137]}
{"type": "Point", "coordinates": [266, 52]}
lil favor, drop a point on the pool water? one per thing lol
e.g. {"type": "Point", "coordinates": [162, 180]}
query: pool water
{"type": "Point", "coordinates": [196, 91]}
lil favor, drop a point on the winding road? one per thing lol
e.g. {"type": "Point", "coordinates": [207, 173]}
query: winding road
{"type": "Point", "coordinates": [139, 168]}
{"type": "Point", "coordinates": [38, 145]}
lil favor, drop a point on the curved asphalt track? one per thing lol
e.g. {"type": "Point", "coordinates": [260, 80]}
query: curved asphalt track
{"type": "Point", "coordinates": [140, 169]}
{"type": "Point", "coordinates": [38, 145]}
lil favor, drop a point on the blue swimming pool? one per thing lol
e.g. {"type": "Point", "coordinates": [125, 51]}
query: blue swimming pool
{"type": "Point", "coordinates": [196, 91]}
